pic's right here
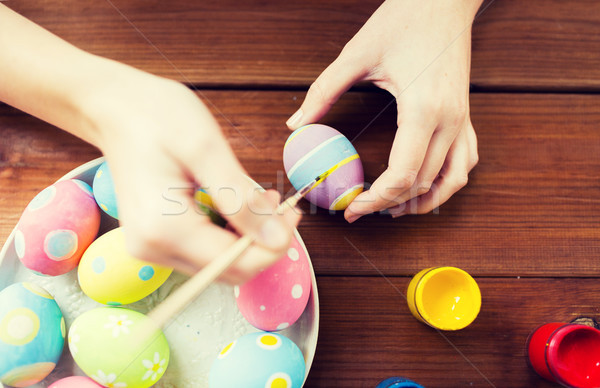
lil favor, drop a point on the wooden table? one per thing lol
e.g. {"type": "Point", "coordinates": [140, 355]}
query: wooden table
{"type": "Point", "coordinates": [527, 226]}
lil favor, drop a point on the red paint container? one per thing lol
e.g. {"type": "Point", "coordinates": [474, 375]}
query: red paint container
{"type": "Point", "coordinates": [566, 353]}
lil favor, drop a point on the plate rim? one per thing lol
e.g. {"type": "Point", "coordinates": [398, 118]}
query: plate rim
{"type": "Point", "coordinates": [312, 338]}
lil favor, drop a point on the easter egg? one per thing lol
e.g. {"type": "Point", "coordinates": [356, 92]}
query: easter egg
{"type": "Point", "coordinates": [32, 334]}
{"type": "Point", "coordinates": [110, 275]}
{"type": "Point", "coordinates": [56, 227]}
{"type": "Point", "coordinates": [258, 360]}
{"type": "Point", "coordinates": [276, 297]}
{"type": "Point", "coordinates": [104, 191]}
{"type": "Point", "coordinates": [118, 347]}
{"type": "Point", "coordinates": [206, 206]}
{"type": "Point", "coordinates": [75, 382]}
{"type": "Point", "coordinates": [315, 149]}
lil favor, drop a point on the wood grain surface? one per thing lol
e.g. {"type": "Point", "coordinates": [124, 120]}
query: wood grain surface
{"type": "Point", "coordinates": [527, 226]}
{"type": "Point", "coordinates": [537, 45]}
{"type": "Point", "coordinates": [531, 207]}
{"type": "Point", "coordinates": [372, 335]}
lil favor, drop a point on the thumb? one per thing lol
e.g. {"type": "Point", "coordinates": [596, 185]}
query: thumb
{"type": "Point", "coordinates": [336, 79]}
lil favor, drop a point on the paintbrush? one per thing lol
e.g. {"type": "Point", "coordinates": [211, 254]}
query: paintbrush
{"type": "Point", "coordinates": [194, 286]}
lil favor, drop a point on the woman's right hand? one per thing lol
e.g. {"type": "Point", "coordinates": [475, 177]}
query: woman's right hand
{"type": "Point", "coordinates": [161, 142]}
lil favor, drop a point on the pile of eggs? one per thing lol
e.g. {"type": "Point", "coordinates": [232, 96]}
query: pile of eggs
{"type": "Point", "coordinates": [58, 232]}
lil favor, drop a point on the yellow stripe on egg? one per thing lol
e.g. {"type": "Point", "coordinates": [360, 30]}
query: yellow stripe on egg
{"type": "Point", "coordinates": [342, 202]}
{"type": "Point", "coordinates": [37, 290]}
{"type": "Point", "coordinates": [335, 167]}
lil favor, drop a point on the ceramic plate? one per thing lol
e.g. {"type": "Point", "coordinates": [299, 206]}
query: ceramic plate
{"type": "Point", "coordinates": [195, 337]}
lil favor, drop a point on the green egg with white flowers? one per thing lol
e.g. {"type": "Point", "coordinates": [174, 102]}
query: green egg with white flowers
{"type": "Point", "coordinates": [119, 347]}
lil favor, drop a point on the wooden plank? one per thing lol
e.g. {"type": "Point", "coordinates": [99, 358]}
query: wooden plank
{"type": "Point", "coordinates": [543, 45]}
{"type": "Point", "coordinates": [33, 155]}
{"type": "Point", "coordinates": [530, 209]}
{"type": "Point", "coordinates": [547, 44]}
{"type": "Point", "coordinates": [367, 333]}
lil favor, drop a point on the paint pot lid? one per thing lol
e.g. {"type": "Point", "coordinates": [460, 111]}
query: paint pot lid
{"type": "Point", "coordinates": [573, 356]}
{"type": "Point", "coordinates": [398, 382]}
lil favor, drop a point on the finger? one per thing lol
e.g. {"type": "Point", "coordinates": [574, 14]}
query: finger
{"type": "Point", "coordinates": [163, 224]}
{"type": "Point", "coordinates": [473, 153]}
{"type": "Point", "coordinates": [207, 242]}
{"type": "Point", "coordinates": [188, 241]}
{"type": "Point", "coordinates": [452, 178]}
{"type": "Point", "coordinates": [440, 144]}
{"type": "Point", "coordinates": [406, 158]}
{"type": "Point", "coordinates": [336, 79]}
{"type": "Point", "coordinates": [238, 199]}
{"type": "Point", "coordinates": [434, 160]}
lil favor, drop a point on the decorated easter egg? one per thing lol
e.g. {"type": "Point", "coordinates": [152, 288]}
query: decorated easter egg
{"type": "Point", "coordinates": [32, 334]}
{"type": "Point", "coordinates": [258, 360]}
{"type": "Point", "coordinates": [118, 347]}
{"type": "Point", "coordinates": [206, 206]}
{"type": "Point", "coordinates": [110, 275]}
{"type": "Point", "coordinates": [276, 297]}
{"type": "Point", "coordinates": [315, 149]}
{"type": "Point", "coordinates": [75, 382]}
{"type": "Point", "coordinates": [56, 227]}
{"type": "Point", "coordinates": [104, 191]}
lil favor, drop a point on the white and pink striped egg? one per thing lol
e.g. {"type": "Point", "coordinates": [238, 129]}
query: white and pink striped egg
{"type": "Point", "coordinates": [275, 298]}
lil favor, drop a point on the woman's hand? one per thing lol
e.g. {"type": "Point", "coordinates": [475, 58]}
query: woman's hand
{"type": "Point", "coordinates": [161, 142]}
{"type": "Point", "coordinates": [420, 52]}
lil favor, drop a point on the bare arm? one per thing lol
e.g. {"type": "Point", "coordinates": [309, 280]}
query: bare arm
{"type": "Point", "coordinates": [156, 135]}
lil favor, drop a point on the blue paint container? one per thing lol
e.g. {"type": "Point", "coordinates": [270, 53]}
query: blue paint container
{"type": "Point", "coordinates": [398, 382]}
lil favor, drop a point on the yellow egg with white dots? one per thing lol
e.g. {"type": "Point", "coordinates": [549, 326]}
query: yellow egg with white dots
{"type": "Point", "coordinates": [110, 275]}
{"type": "Point", "coordinates": [258, 360]}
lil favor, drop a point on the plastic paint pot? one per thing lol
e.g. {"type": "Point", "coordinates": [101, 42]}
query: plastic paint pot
{"type": "Point", "coordinates": [566, 353]}
{"type": "Point", "coordinates": [398, 382]}
{"type": "Point", "coordinates": [446, 298]}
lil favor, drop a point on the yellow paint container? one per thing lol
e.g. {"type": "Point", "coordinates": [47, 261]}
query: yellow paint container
{"type": "Point", "coordinates": [446, 298]}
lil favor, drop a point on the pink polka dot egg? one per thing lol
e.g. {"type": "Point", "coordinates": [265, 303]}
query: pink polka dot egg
{"type": "Point", "coordinates": [75, 382]}
{"type": "Point", "coordinates": [275, 298]}
{"type": "Point", "coordinates": [315, 149]}
{"type": "Point", "coordinates": [56, 228]}
{"type": "Point", "coordinates": [110, 275]}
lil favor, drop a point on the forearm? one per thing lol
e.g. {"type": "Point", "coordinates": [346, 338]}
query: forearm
{"type": "Point", "coordinates": [49, 78]}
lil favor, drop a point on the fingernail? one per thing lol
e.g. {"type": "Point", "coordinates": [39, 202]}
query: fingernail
{"type": "Point", "coordinates": [398, 214]}
{"type": "Point", "coordinates": [273, 234]}
{"type": "Point", "coordinates": [353, 218]}
{"type": "Point", "coordinates": [294, 121]}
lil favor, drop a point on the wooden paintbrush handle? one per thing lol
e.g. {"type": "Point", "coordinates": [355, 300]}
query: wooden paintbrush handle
{"type": "Point", "coordinates": [194, 286]}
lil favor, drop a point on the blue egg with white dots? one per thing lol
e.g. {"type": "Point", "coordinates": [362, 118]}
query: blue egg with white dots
{"type": "Point", "coordinates": [32, 334]}
{"type": "Point", "coordinates": [104, 191]}
{"type": "Point", "coordinates": [259, 360]}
